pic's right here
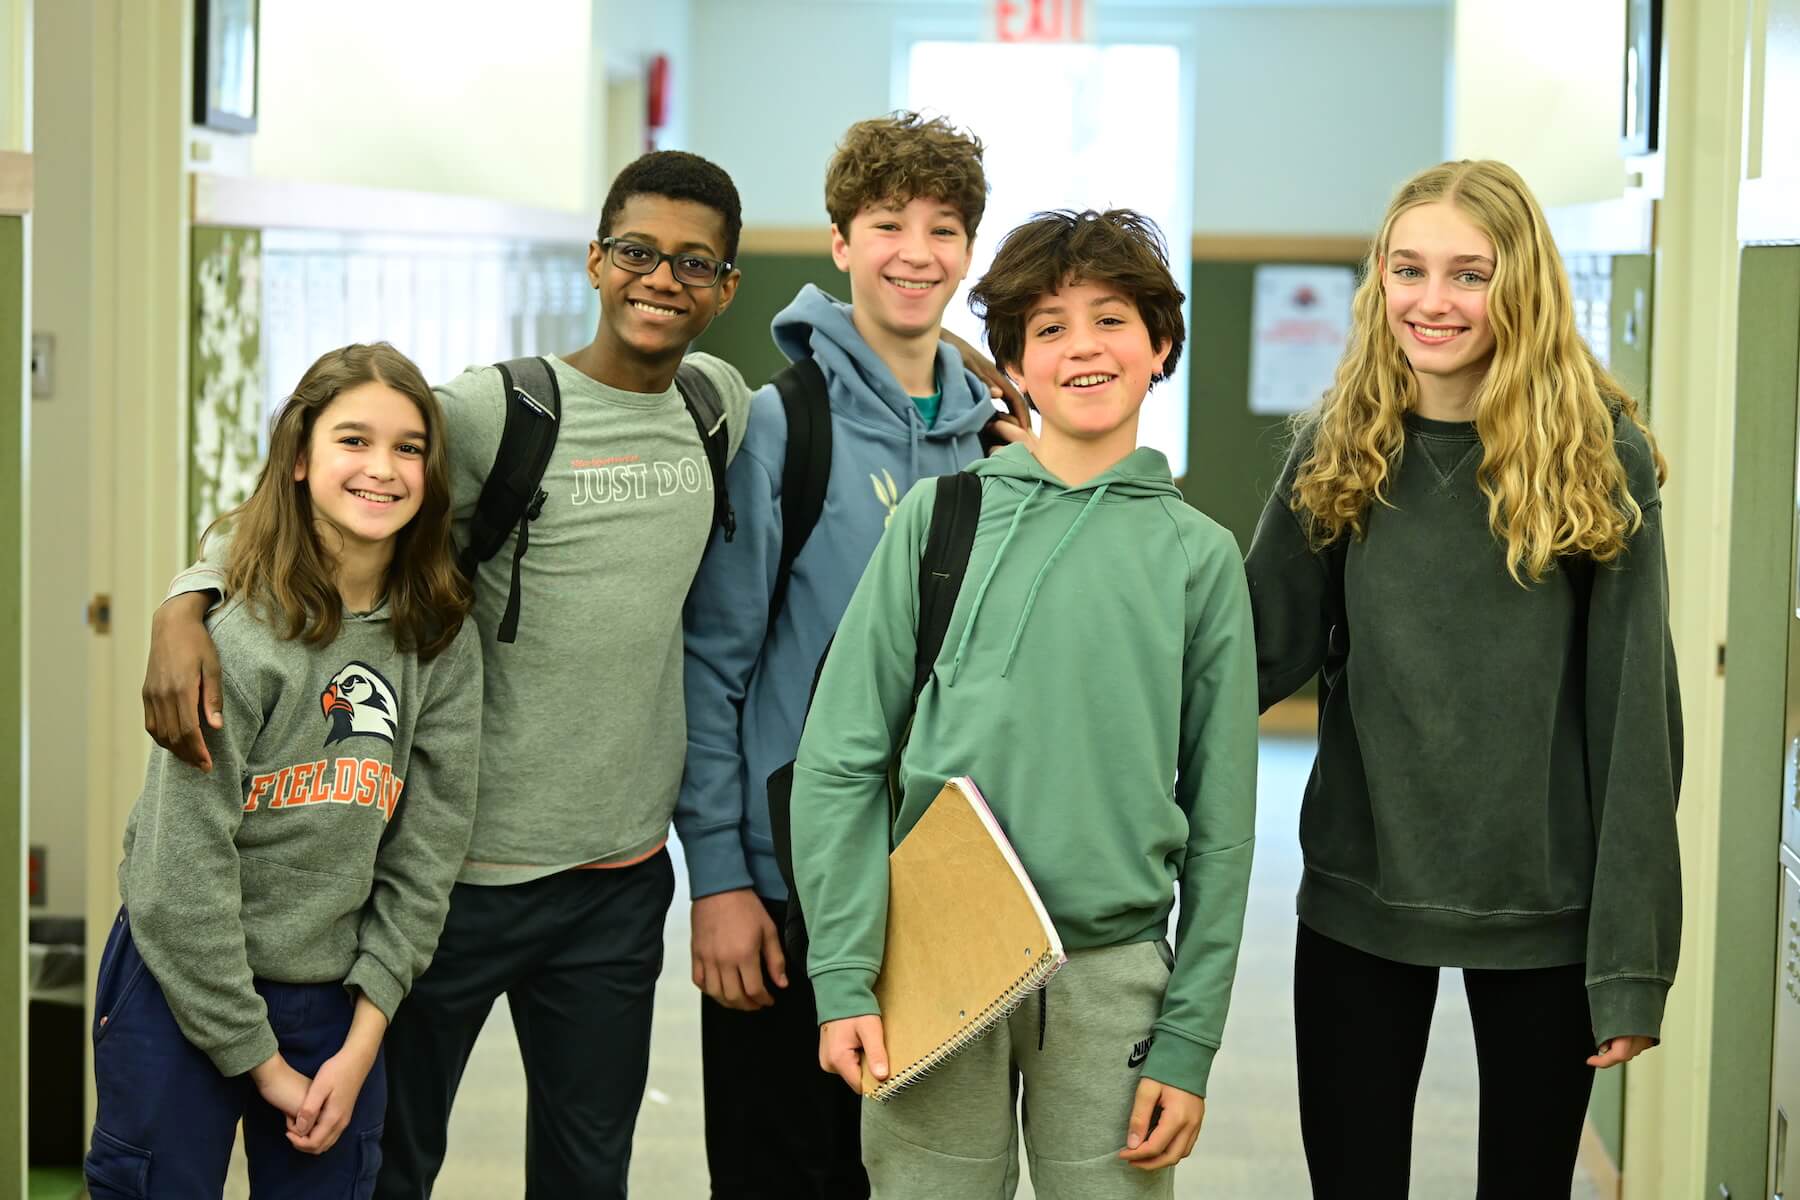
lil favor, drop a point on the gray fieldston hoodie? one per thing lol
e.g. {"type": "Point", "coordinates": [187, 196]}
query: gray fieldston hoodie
{"type": "Point", "coordinates": [322, 846]}
{"type": "Point", "coordinates": [583, 732]}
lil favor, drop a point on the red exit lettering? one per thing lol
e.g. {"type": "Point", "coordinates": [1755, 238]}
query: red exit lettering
{"type": "Point", "coordinates": [1039, 20]}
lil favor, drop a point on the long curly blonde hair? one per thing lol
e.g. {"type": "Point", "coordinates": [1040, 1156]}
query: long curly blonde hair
{"type": "Point", "coordinates": [1545, 409]}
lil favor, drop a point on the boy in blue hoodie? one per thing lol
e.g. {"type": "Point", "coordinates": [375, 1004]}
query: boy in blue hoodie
{"type": "Point", "coordinates": [1098, 681]}
{"type": "Point", "coordinates": [905, 195]}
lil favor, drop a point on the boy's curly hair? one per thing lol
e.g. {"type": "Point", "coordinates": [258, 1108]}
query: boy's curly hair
{"type": "Point", "coordinates": [901, 157]}
{"type": "Point", "coordinates": [1120, 247]}
{"type": "Point", "coordinates": [676, 175]}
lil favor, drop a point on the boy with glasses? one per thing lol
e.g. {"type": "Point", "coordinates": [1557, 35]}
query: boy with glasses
{"type": "Point", "coordinates": [560, 905]}
{"type": "Point", "coordinates": [905, 196]}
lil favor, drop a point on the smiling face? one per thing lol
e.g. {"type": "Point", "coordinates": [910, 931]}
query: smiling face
{"type": "Point", "coordinates": [364, 466]}
{"type": "Point", "coordinates": [654, 317]}
{"type": "Point", "coordinates": [904, 262]}
{"type": "Point", "coordinates": [1435, 278]}
{"type": "Point", "coordinates": [1088, 361]}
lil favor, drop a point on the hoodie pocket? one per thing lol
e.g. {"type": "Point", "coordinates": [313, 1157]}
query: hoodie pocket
{"type": "Point", "coordinates": [116, 1170]}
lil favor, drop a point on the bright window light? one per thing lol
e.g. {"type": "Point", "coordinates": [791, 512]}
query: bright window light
{"type": "Point", "coordinates": [1071, 126]}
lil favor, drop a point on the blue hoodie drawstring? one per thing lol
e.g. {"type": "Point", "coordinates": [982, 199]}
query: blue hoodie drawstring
{"type": "Point", "coordinates": [981, 593]}
{"type": "Point", "coordinates": [1031, 597]}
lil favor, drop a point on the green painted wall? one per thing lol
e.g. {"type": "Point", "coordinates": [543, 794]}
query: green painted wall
{"type": "Point", "coordinates": [1761, 583]}
{"type": "Point", "coordinates": [12, 687]}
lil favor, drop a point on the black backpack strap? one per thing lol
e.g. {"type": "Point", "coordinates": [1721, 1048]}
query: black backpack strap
{"type": "Point", "coordinates": [1337, 630]}
{"type": "Point", "coordinates": [807, 472]}
{"type": "Point", "coordinates": [512, 496]}
{"type": "Point", "coordinates": [942, 567]}
{"type": "Point", "coordinates": [708, 411]}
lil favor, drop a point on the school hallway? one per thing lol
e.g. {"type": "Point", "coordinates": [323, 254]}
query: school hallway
{"type": "Point", "coordinates": [1248, 1150]}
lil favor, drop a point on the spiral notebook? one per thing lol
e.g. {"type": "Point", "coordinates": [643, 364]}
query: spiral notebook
{"type": "Point", "coordinates": [967, 937]}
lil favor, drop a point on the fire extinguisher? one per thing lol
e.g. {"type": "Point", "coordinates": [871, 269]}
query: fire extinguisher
{"type": "Point", "coordinates": [656, 98]}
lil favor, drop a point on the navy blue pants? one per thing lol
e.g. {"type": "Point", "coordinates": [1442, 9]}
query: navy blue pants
{"type": "Point", "coordinates": [167, 1118]}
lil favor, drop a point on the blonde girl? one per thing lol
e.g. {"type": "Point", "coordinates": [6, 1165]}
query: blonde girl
{"type": "Point", "coordinates": [1466, 546]}
{"type": "Point", "coordinates": [277, 908]}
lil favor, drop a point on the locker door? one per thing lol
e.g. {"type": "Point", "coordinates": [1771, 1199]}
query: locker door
{"type": "Point", "coordinates": [1784, 1179]}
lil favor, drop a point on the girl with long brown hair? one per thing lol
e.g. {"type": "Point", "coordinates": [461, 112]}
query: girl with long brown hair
{"type": "Point", "coordinates": [277, 907]}
{"type": "Point", "coordinates": [1466, 547]}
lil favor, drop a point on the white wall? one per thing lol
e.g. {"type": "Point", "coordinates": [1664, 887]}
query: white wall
{"type": "Point", "coordinates": [460, 96]}
{"type": "Point", "coordinates": [1306, 119]}
{"type": "Point", "coordinates": [62, 305]}
{"type": "Point", "coordinates": [1538, 84]}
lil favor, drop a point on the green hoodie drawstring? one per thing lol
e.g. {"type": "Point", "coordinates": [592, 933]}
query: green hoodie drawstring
{"type": "Point", "coordinates": [981, 593]}
{"type": "Point", "coordinates": [1031, 597]}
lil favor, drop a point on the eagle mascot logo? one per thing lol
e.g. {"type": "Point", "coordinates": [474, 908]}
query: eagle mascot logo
{"type": "Point", "coordinates": [359, 703]}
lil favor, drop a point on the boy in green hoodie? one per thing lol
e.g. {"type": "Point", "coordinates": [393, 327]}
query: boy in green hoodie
{"type": "Point", "coordinates": [1098, 681]}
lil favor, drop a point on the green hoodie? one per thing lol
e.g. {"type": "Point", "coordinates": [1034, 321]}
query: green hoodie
{"type": "Point", "coordinates": [1098, 683]}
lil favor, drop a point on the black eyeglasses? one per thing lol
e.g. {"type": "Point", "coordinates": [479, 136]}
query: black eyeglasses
{"type": "Point", "coordinates": [695, 270]}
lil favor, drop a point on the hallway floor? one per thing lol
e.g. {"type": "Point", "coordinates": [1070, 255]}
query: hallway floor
{"type": "Point", "coordinates": [1249, 1149]}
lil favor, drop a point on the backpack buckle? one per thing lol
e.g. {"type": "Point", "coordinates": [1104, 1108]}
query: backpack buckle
{"type": "Point", "coordinates": [536, 507]}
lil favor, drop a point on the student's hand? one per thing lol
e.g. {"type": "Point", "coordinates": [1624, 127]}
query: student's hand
{"type": "Point", "coordinates": [1165, 1123]}
{"type": "Point", "coordinates": [1615, 1051]}
{"type": "Point", "coordinates": [999, 386]}
{"type": "Point", "coordinates": [733, 939]}
{"type": "Point", "coordinates": [331, 1100]}
{"type": "Point", "coordinates": [181, 680]}
{"type": "Point", "coordinates": [844, 1044]}
{"type": "Point", "coordinates": [325, 1110]}
{"type": "Point", "coordinates": [1007, 432]}
{"type": "Point", "coordinates": [283, 1087]}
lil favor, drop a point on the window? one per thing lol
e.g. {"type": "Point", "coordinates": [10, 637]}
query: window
{"type": "Point", "coordinates": [1072, 126]}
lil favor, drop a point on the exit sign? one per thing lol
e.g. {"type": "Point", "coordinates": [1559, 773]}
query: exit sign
{"type": "Point", "coordinates": [1040, 20]}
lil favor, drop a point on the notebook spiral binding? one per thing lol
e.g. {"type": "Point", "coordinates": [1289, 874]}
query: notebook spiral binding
{"type": "Point", "coordinates": [1032, 980]}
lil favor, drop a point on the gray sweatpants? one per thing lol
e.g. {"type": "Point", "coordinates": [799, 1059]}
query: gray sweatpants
{"type": "Point", "coordinates": [954, 1136]}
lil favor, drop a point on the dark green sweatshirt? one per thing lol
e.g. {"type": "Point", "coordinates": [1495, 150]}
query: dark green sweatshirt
{"type": "Point", "coordinates": [1096, 682]}
{"type": "Point", "coordinates": [1498, 765]}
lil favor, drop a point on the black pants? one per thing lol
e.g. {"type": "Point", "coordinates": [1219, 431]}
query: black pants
{"type": "Point", "coordinates": [577, 955]}
{"type": "Point", "coordinates": [1360, 1026]}
{"type": "Point", "coordinates": [777, 1127]}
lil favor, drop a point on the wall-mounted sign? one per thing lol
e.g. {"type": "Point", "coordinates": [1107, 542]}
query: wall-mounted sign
{"type": "Point", "coordinates": [1040, 20]}
{"type": "Point", "coordinates": [225, 43]}
{"type": "Point", "coordinates": [1300, 318]}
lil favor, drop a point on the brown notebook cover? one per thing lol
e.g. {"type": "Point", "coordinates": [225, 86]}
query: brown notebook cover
{"type": "Point", "coordinates": [967, 937]}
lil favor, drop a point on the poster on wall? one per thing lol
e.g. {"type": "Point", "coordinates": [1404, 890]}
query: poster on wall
{"type": "Point", "coordinates": [1300, 317]}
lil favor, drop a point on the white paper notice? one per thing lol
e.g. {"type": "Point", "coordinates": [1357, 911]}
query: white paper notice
{"type": "Point", "coordinates": [1299, 324]}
